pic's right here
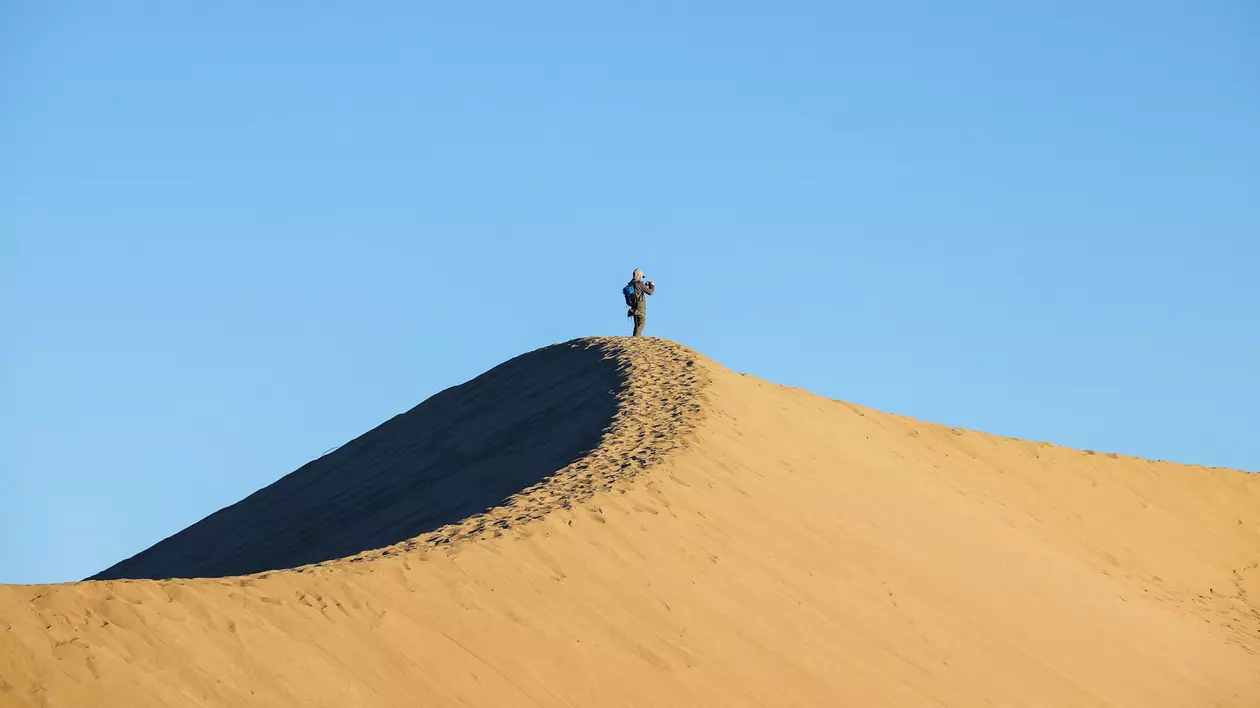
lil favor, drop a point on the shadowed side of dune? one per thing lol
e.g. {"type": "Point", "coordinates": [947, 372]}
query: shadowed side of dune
{"type": "Point", "coordinates": [460, 452]}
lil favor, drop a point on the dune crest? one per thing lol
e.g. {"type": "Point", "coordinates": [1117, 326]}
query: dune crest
{"type": "Point", "coordinates": [623, 521]}
{"type": "Point", "coordinates": [540, 432]}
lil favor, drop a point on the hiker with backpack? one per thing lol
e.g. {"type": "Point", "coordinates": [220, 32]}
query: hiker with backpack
{"type": "Point", "coordinates": [636, 292]}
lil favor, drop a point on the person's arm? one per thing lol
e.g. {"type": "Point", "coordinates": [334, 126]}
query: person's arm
{"type": "Point", "coordinates": [649, 288]}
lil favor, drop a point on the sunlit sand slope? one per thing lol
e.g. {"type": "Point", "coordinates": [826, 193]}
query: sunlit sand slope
{"type": "Point", "coordinates": [702, 538]}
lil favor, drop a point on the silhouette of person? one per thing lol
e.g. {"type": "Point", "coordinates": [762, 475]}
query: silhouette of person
{"type": "Point", "coordinates": [638, 301]}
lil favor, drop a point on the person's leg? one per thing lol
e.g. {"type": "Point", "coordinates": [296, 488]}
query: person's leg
{"type": "Point", "coordinates": [639, 321]}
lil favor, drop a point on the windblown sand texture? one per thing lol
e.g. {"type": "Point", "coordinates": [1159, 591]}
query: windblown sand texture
{"type": "Point", "coordinates": [617, 522]}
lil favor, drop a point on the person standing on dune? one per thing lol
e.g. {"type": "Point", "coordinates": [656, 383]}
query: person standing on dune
{"type": "Point", "coordinates": [636, 292]}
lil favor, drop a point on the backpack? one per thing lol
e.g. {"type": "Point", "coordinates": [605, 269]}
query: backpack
{"type": "Point", "coordinates": [632, 297]}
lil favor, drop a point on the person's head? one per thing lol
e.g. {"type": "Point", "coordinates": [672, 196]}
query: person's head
{"type": "Point", "coordinates": [638, 275]}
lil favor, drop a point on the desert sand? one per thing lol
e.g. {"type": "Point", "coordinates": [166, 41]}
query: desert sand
{"type": "Point", "coordinates": [617, 522]}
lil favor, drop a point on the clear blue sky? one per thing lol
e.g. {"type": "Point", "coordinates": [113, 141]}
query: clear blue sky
{"type": "Point", "coordinates": [235, 236]}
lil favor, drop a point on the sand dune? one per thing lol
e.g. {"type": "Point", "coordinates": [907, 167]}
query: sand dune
{"type": "Point", "coordinates": [625, 522]}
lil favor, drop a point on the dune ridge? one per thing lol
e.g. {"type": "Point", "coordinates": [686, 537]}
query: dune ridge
{"type": "Point", "coordinates": [453, 467]}
{"type": "Point", "coordinates": [727, 542]}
